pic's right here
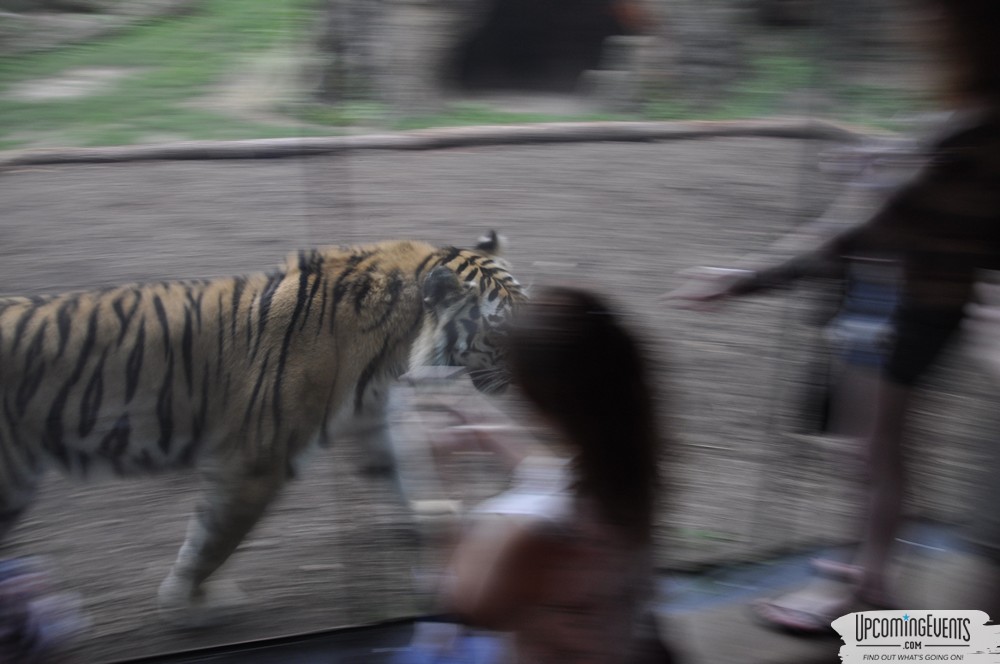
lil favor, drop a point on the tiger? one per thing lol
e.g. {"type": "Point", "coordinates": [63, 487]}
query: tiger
{"type": "Point", "coordinates": [235, 378]}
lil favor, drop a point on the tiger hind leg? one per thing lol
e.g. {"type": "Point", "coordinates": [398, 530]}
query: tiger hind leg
{"type": "Point", "coordinates": [232, 505]}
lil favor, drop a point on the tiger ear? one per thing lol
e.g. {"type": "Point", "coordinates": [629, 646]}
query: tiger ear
{"type": "Point", "coordinates": [491, 244]}
{"type": "Point", "coordinates": [441, 287]}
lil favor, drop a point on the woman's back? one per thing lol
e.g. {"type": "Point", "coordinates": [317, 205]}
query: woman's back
{"type": "Point", "coordinates": [593, 584]}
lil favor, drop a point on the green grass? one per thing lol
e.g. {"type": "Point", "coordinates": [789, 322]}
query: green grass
{"type": "Point", "coordinates": [174, 61]}
{"type": "Point", "coordinates": [463, 115]}
{"type": "Point", "coordinates": [350, 114]}
{"type": "Point", "coordinates": [765, 91]}
{"type": "Point", "coordinates": [455, 115]}
{"type": "Point", "coordinates": [782, 84]}
{"type": "Point", "coordinates": [876, 106]}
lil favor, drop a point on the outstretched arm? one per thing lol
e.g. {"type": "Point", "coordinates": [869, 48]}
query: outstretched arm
{"type": "Point", "coordinates": [947, 211]}
{"type": "Point", "coordinates": [807, 250]}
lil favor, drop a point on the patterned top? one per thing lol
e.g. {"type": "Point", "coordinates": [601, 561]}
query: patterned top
{"type": "Point", "coordinates": [946, 221]}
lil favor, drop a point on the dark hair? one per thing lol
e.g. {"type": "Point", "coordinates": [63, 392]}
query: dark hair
{"type": "Point", "coordinates": [971, 44]}
{"type": "Point", "coordinates": [575, 361]}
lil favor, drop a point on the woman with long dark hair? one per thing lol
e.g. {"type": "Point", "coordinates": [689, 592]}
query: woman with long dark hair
{"type": "Point", "coordinates": [572, 579]}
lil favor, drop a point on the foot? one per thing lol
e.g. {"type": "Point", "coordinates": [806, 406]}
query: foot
{"type": "Point", "coordinates": [869, 591]}
{"type": "Point", "coordinates": [811, 610]}
{"type": "Point", "coordinates": [433, 510]}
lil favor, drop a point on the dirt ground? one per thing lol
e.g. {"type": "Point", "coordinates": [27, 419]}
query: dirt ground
{"type": "Point", "coordinates": [625, 218]}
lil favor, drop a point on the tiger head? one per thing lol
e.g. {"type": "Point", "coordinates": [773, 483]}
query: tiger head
{"type": "Point", "coordinates": [469, 299]}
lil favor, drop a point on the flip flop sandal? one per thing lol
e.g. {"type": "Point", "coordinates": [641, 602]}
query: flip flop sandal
{"type": "Point", "coordinates": [804, 622]}
{"type": "Point", "coordinates": [797, 622]}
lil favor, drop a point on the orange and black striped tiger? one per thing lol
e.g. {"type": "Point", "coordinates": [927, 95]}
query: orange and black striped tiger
{"type": "Point", "coordinates": [236, 377]}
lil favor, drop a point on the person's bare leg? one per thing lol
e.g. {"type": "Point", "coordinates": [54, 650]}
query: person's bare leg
{"type": "Point", "coordinates": [886, 486]}
{"type": "Point", "coordinates": [811, 609]}
{"type": "Point", "coordinates": [852, 414]}
{"type": "Point", "coordinates": [854, 397]}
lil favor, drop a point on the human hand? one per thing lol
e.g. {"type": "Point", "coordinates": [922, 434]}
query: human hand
{"type": "Point", "coordinates": [707, 286]}
{"type": "Point", "coordinates": [486, 432]}
{"type": "Point", "coordinates": [983, 326]}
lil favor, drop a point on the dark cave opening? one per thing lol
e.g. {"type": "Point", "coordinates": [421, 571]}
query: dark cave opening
{"type": "Point", "coordinates": [539, 45]}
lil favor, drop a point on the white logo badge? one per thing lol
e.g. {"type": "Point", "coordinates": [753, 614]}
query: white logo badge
{"type": "Point", "coordinates": [918, 636]}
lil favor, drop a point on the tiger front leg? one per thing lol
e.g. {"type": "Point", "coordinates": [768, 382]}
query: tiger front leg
{"type": "Point", "coordinates": [233, 503]}
{"type": "Point", "coordinates": [396, 447]}
{"type": "Point", "coordinates": [377, 446]}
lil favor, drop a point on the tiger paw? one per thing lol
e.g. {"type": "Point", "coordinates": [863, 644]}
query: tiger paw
{"type": "Point", "coordinates": [436, 521]}
{"type": "Point", "coordinates": [436, 510]}
{"type": "Point", "coordinates": [208, 605]}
